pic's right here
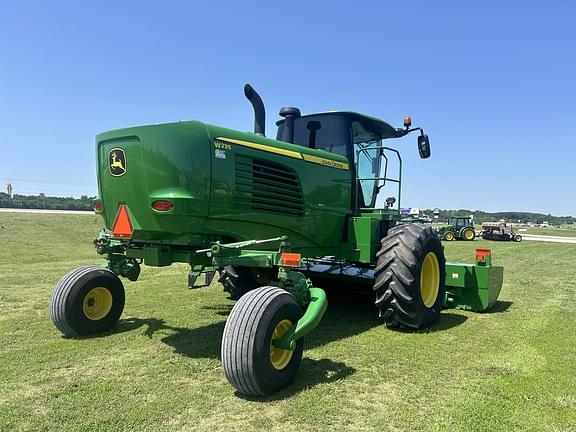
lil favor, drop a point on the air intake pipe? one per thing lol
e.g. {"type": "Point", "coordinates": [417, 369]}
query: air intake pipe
{"type": "Point", "coordinates": [289, 114]}
{"type": "Point", "coordinates": [259, 112]}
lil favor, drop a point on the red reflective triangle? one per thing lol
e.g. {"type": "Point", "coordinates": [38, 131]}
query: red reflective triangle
{"type": "Point", "coordinates": [122, 225]}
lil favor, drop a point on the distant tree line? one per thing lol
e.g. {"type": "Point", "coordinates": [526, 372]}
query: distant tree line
{"type": "Point", "coordinates": [87, 203]}
{"type": "Point", "coordinates": [514, 217]}
{"type": "Point", "coordinates": [46, 202]}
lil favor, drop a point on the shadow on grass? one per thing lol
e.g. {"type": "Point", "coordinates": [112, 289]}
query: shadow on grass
{"type": "Point", "coordinates": [500, 307]}
{"type": "Point", "coordinates": [347, 315]}
{"type": "Point", "coordinates": [200, 342]}
{"type": "Point", "coordinates": [204, 342]}
{"type": "Point", "coordinates": [446, 321]}
{"type": "Point", "coordinates": [311, 373]}
{"type": "Point", "coordinates": [222, 310]}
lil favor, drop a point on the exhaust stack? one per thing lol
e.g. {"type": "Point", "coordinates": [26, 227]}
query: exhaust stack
{"type": "Point", "coordinates": [259, 112]}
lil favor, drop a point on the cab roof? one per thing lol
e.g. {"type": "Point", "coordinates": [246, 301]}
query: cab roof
{"type": "Point", "coordinates": [373, 123]}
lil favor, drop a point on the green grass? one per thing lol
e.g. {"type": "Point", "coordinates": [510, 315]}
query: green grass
{"type": "Point", "coordinates": [512, 369]}
{"type": "Point", "coordinates": [561, 232]}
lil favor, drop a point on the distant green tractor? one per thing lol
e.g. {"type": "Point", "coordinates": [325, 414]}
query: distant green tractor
{"type": "Point", "coordinates": [272, 217]}
{"type": "Point", "coordinates": [458, 228]}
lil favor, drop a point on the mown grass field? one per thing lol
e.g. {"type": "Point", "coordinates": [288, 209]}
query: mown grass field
{"type": "Point", "coordinates": [512, 369]}
{"type": "Point", "coordinates": [547, 231]}
{"type": "Point", "coordinates": [561, 232]}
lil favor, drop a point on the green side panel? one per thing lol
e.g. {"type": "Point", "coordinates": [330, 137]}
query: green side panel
{"type": "Point", "coordinates": [170, 161]}
{"type": "Point", "coordinates": [157, 256]}
{"type": "Point", "coordinates": [224, 185]}
{"type": "Point", "coordinates": [165, 255]}
{"type": "Point", "coordinates": [473, 287]}
{"type": "Point", "coordinates": [496, 279]}
{"type": "Point", "coordinates": [364, 238]}
{"type": "Point", "coordinates": [266, 188]}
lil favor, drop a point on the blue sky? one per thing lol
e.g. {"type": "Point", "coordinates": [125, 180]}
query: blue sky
{"type": "Point", "coordinates": [492, 83]}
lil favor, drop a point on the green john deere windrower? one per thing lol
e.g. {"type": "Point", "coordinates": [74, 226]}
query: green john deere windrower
{"type": "Point", "coordinates": [276, 219]}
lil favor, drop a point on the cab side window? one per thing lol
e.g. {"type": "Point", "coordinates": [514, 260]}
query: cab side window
{"type": "Point", "coordinates": [330, 133]}
{"type": "Point", "coordinates": [367, 160]}
{"type": "Point", "coordinates": [322, 137]}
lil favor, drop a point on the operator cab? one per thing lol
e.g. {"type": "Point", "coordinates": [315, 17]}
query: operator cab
{"type": "Point", "coordinates": [335, 132]}
{"type": "Point", "coordinates": [459, 221]}
{"type": "Point", "coordinates": [355, 136]}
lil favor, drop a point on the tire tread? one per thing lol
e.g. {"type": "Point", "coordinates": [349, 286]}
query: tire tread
{"type": "Point", "coordinates": [397, 274]}
{"type": "Point", "coordinates": [60, 295]}
{"type": "Point", "coordinates": [237, 346]}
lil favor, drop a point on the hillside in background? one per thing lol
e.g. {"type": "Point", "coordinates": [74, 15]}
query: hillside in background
{"type": "Point", "coordinates": [510, 216]}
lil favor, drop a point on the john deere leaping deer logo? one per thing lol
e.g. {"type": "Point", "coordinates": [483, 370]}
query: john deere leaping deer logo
{"type": "Point", "coordinates": [117, 162]}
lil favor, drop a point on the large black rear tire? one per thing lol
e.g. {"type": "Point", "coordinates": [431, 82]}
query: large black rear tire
{"type": "Point", "coordinates": [86, 301]}
{"type": "Point", "coordinates": [410, 277]}
{"type": "Point", "coordinates": [250, 361]}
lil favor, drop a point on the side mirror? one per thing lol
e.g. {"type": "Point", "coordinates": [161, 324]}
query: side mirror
{"type": "Point", "coordinates": [424, 146]}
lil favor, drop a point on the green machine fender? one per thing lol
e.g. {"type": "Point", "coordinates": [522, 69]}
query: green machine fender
{"type": "Point", "coordinates": [309, 321]}
{"type": "Point", "coordinates": [476, 286]}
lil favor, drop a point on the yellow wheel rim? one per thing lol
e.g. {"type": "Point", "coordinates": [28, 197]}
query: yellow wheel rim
{"type": "Point", "coordinates": [97, 303]}
{"type": "Point", "coordinates": [280, 357]}
{"type": "Point", "coordinates": [429, 279]}
{"type": "Point", "coordinates": [449, 236]}
{"type": "Point", "coordinates": [469, 235]}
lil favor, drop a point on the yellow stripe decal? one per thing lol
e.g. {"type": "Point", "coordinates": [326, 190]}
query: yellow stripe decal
{"type": "Point", "coordinates": [293, 154]}
{"type": "Point", "coordinates": [263, 147]}
{"type": "Point", "coordinates": [326, 162]}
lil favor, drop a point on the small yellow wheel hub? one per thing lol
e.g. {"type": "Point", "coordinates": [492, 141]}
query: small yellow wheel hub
{"type": "Point", "coordinates": [97, 303]}
{"type": "Point", "coordinates": [429, 279]}
{"type": "Point", "coordinates": [280, 357]}
{"type": "Point", "coordinates": [449, 236]}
